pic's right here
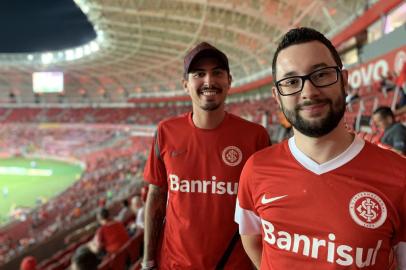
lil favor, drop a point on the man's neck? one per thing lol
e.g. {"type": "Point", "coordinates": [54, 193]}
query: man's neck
{"type": "Point", "coordinates": [208, 119]}
{"type": "Point", "coordinates": [327, 147]}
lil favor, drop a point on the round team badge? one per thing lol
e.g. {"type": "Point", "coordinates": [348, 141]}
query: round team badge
{"type": "Point", "coordinates": [232, 155]}
{"type": "Point", "coordinates": [368, 210]}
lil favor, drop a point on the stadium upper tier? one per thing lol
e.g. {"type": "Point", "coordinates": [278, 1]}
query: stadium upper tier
{"type": "Point", "coordinates": [140, 45]}
{"type": "Point", "coordinates": [141, 116]}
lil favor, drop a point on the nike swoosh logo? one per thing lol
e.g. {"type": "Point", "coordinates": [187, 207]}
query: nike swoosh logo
{"type": "Point", "coordinates": [264, 200]}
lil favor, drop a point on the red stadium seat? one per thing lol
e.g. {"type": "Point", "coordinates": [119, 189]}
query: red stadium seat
{"type": "Point", "coordinates": [134, 246]}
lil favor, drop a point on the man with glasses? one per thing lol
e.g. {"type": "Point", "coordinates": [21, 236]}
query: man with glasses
{"type": "Point", "coordinates": [330, 200]}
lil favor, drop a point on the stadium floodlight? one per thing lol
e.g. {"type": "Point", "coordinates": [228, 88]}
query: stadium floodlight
{"type": "Point", "coordinates": [69, 55]}
{"type": "Point", "coordinates": [94, 46]}
{"type": "Point", "coordinates": [30, 57]}
{"type": "Point", "coordinates": [47, 58]}
{"type": "Point", "coordinates": [78, 52]}
{"type": "Point", "coordinates": [85, 8]}
{"type": "Point", "coordinates": [87, 50]}
{"type": "Point", "coordinates": [100, 35]}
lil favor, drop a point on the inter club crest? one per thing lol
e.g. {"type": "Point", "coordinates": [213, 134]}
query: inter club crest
{"type": "Point", "coordinates": [232, 155]}
{"type": "Point", "coordinates": [368, 210]}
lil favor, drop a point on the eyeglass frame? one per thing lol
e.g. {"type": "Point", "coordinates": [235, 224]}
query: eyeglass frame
{"type": "Point", "coordinates": [304, 78]}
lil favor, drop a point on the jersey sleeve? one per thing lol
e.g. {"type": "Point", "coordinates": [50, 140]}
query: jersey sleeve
{"type": "Point", "coordinates": [264, 140]}
{"type": "Point", "coordinates": [245, 215]}
{"type": "Point", "coordinates": [154, 170]}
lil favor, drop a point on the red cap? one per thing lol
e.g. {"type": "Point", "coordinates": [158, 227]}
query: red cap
{"type": "Point", "coordinates": [204, 49]}
{"type": "Point", "coordinates": [28, 263]}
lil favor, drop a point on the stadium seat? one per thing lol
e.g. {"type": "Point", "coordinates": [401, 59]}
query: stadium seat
{"type": "Point", "coordinates": [135, 245]}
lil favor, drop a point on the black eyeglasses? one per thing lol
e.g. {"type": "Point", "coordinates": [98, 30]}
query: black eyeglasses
{"type": "Point", "coordinates": [320, 78]}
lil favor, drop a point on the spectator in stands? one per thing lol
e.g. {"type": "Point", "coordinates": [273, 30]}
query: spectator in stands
{"type": "Point", "coordinates": [125, 212]}
{"type": "Point", "coordinates": [84, 259]}
{"type": "Point", "coordinates": [197, 157]}
{"type": "Point", "coordinates": [387, 83]}
{"type": "Point", "coordinates": [328, 198]}
{"type": "Point", "coordinates": [137, 206]}
{"type": "Point", "coordinates": [394, 133]}
{"type": "Point", "coordinates": [352, 95]}
{"type": "Point", "coordinates": [111, 235]}
{"type": "Point", "coordinates": [401, 84]}
{"type": "Point", "coordinates": [28, 263]}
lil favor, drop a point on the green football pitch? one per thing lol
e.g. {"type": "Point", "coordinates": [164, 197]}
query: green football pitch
{"type": "Point", "coordinates": [25, 182]}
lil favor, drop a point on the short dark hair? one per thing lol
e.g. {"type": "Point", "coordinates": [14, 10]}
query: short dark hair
{"type": "Point", "coordinates": [85, 259]}
{"type": "Point", "coordinates": [303, 35]}
{"type": "Point", "coordinates": [104, 213]}
{"type": "Point", "coordinates": [384, 111]}
{"type": "Point", "coordinates": [125, 202]}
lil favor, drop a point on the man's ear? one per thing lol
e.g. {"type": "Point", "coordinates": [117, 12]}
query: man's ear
{"type": "Point", "coordinates": [184, 84]}
{"type": "Point", "coordinates": [344, 74]}
{"type": "Point", "coordinates": [230, 80]}
{"type": "Point", "coordinates": [276, 95]}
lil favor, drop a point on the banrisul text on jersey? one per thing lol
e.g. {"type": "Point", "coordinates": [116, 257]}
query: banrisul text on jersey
{"type": "Point", "coordinates": [212, 185]}
{"type": "Point", "coordinates": [344, 255]}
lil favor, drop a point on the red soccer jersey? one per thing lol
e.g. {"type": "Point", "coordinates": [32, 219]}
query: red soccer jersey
{"type": "Point", "coordinates": [112, 236]}
{"type": "Point", "coordinates": [201, 169]}
{"type": "Point", "coordinates": [346, 213]}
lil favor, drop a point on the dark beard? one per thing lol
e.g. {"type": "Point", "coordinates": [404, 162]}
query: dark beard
{"type": "Point", "coordinates": [321, 127]}
{"type": "Point", "coordinates": [211, 106]}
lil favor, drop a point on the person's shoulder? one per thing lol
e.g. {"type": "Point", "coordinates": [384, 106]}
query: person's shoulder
{"type": "Point", "coordinates": [116, 224]}
{"type": "Point", "coordinates": [395, 128]}
{"type": "Point", "coordinates": [240, 120]}
{"type": "Point", "coordinates": [175, 119]}
{"type": "Point", "coordinates": [243, 122]}
{"type": "Point", "coordinates": [274, 150]}
{"type": "Point", "coordinates": [400, 126]}
{"type": "Point", "coordinates": [385, 155]}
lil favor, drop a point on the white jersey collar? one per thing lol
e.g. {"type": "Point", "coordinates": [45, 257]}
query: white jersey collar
{"type": "Point", "coordinates": [351, 152]}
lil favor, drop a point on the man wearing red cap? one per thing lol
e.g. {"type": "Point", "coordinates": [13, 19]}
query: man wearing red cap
{"type": "Point", "coordinates": [193, 170]}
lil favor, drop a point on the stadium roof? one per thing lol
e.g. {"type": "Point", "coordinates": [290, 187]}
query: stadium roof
{"type": "Point", "coordinates": [139, 47]}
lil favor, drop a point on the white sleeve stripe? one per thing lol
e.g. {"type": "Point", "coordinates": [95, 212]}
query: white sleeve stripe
{"type": "Point", "coordinates": [401, 255]}
{"type": "Point", "coordinates": [249, 223]}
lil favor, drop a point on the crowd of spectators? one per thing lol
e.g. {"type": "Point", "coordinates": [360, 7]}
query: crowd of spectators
{"type": "Point", "coordinates": [111, 170]}
{"type": "Point", "coordinates": [114, 157]}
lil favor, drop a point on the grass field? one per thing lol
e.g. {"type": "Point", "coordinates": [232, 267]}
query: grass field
{"type": "Point", "coordinates": [23, 181]}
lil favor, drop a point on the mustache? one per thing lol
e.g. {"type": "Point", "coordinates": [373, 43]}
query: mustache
{"type": "Point", "coordinates": [312, 102]}
{"type": "Point", "coordinates": [205, 88]}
